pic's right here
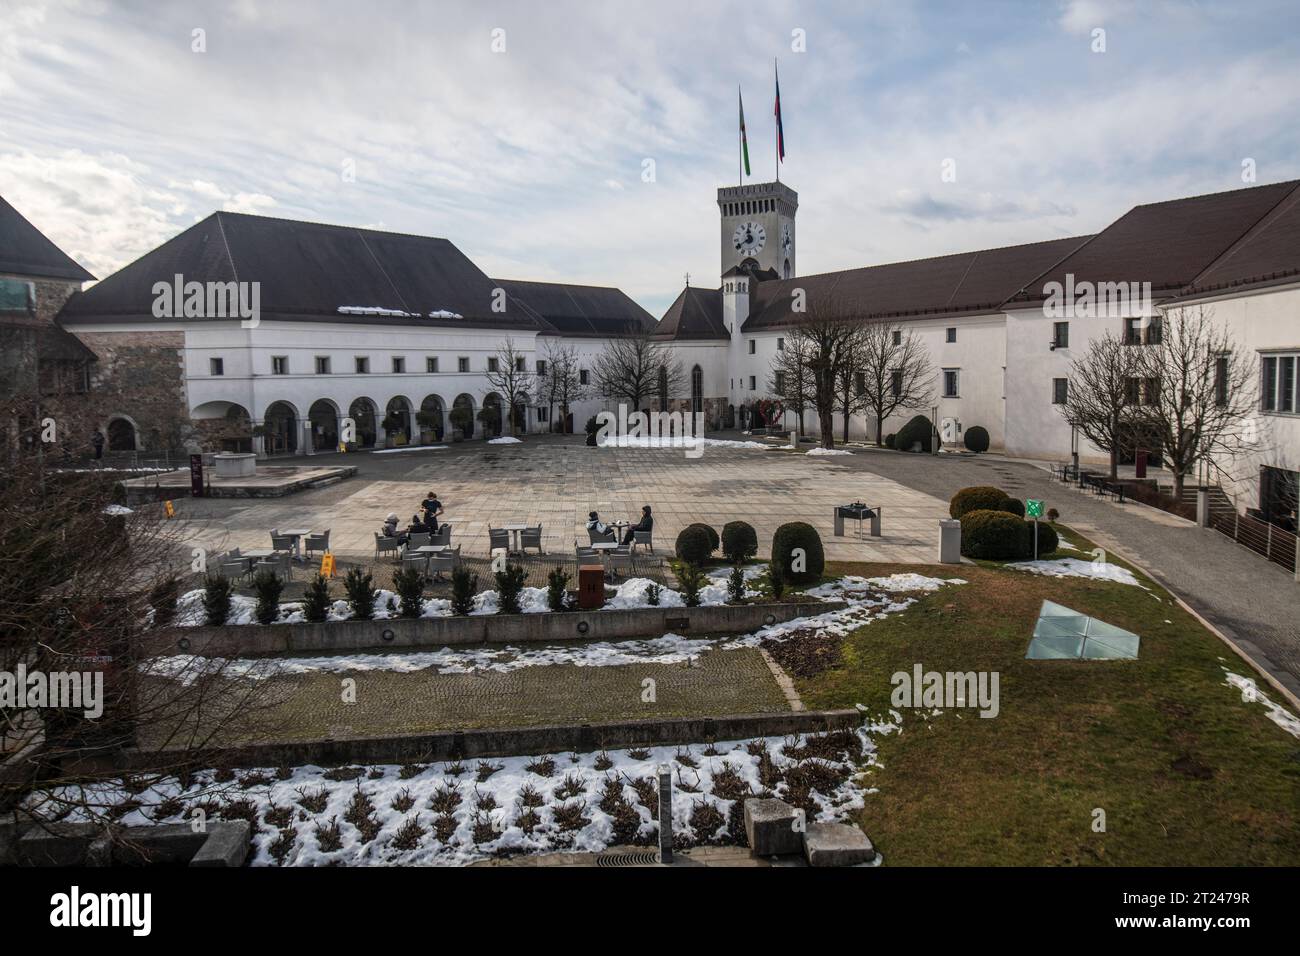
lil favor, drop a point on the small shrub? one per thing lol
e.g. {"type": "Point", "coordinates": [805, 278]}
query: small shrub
{"type": "Point", "coordinates": [268, 586]}
{"type": "Point", "coordinates": [776, 577]}
{"type": "Point", "coordinates": [510, 583]}
{"type": "Point", "coordinates": [976, 498]}
{"type": "Point", "coordinates": [1053, 515]}
{"type": "Point", "coordinates": [216, 600]}
{"type": "Point", "coordinates": [329, 838]}
{"type": "Point", "coordinates": [736, 584]}
{"type": "Point", "coordinates": [795, 536]}
{"type": "Point", "coordinates": [918, 431]}
{"type": "Point", "coordinates": [408, 835]}
{"type": "Point", "coordinates": [316, 599]}
{"type": "Point", "coordinates": [463, 586]}
{"type": "Point", "coordinates": [1048, 540]}
{"type": "Point", "coordinates": [693, 544]}
{"type": "Point", "coordinates": [714, 540]}
{"type": "Point", "coordinates": [409, 585]}
{"type": "Point", "coordinates": [360, 588]}
{"type": "Point", "coordinates": [976, 439]}
{"type": "Point", "coordinates": [557, 589]}
{"type": "Point", "coordinates": [652, 592]}
{"type": "Point", "coordinates": [591, 428]}
{"type": "Point", "coordinates": [163, 599]}
{"type": "Point", "coordinates": [891, 440]}
{"type": "Point", "coordinates": [1014, 506]}
{"type": "Point", "coordinates": [992, 535]}
{"type": "Point", "coordinates": [739, 541]}
{"type": "Point", "coordinates": [543, 767]}
{"type": "Point", "coordinates": [690, 578]}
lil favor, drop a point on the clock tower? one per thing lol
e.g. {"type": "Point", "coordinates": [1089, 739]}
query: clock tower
{"type": "Point", "coordinates": [758, 227]}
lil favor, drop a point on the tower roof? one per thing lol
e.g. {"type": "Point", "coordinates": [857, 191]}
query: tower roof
{"type": "Point", "coordinates": [26, 251]}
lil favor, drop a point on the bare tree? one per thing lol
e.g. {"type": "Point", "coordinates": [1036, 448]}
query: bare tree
{"type": "Point", "coordinates": [1098, 395]}
{"type": "Point", "coordinates": [850, 384]}
{"type": "Point", "coordinates": [1201, 389]}
{"type": "Point", "coordinates": [629, 370]}
{"type": "Point", "coordinates": [790, 379]}
{"type": "Point", "coordinates": [826, 336]}
{"type": "Point", "coordinates": [512, 379]}
{"type": "Point", "coordinates": [897, 374]}
{"type": "Point", "coordinates": [561, 385]}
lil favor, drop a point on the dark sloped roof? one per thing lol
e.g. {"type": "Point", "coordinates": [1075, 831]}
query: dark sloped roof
{"type": "Point", "coordinates": [581, 310]}
{"type": "Point", "coordinates": [1268, 254]}
{"type": "Point", "coordinates": [307, 271]}
{"type": "Point", "coordinates": [966, 283]}
{"type": "Point", "coordinates": [1167, 243]}
{"type": "Point", "coordinates": [25, 250]}
{"type": "Point", "coordinates": [695, 314]}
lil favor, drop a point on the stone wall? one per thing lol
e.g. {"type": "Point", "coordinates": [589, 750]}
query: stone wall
{"type": "Point", "coordinates": [141, 376]}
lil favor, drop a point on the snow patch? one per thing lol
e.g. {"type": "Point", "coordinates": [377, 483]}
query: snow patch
{"type": "Point", "coordinates": [1251, 694]}
{"type": "Point", "coordinates": [826, 451]}
{"type": "Point", "coordinates": [1075, 568]}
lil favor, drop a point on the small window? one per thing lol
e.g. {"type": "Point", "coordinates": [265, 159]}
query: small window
{"type": "Point", "coordinates": [860, 382]}
{"type": "Point", "coordinates": [752, 385]}
{"type": "Point", "coordinates": [779, 382]}
{"type": "Point", "coordinates": [279, 365]}
{"type": "Point", "coordinates": [1221, 381]}
{"type": "Point", "coordinates": [462, 364]}
{"type": "Point", "coordinates": [519, 363]}
{"type": "Point", "coordinates": [322, 365]}
{"type": "Point", "coordinates": [780, 344]}
{"type": "Point", "coordinates": [583, 377]}
{"type": "Point", "coordinates": [493, 365]}
{"type": "Point", "coordinates": [1132, 331]}
{"type": "Point", "coordinates": [950, 382]}
{"type": "Point", "coordinates": [431, 364]}
{"type": "Point", "coordinates": [363, 365]}
{"type": "Point", "coordinates": [1132, 391]}
{"type": "Point", "coordinates": [399, 364]}
{"type": "Point", "coordinates": [1061, 335]}
{"type": "Point", "coordinates": [1155, 330]}
{"type": "Point", "coordinates": [898, 336]}
{"type": "Point", "coordinates": [896, 383]}
{"type": "Point", "coordinates": [216, 366]}
{"type": "Point", "coordinates": [952, 335]}
{"type": "Point", "coordinates": [541, 368]}
{"type": "Point", "coordinates": [1060, 390]}
{"type": "Point", "coordinates": [753, 346]}
{"type": "Point", "coordinates": [1268, 389]}
{"type": "Point", "coordinates": [543, 413]}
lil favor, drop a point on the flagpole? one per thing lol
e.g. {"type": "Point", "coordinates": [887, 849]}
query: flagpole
{"type": "Point", "coordinates": [740, 144]}
{"type": "Point", "coordinates": [776, 128]}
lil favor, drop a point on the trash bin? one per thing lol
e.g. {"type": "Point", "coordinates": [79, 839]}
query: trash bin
{"type": "Point", "coordinates": [591, 586]}
{"type": "Point", "coordinates": [949, 541]}
{"type": "Point", "coordinates": [1140, 462]}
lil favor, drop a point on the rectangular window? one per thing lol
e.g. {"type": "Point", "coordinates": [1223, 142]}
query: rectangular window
{"type": "Point", "coordinates": [519, 363]}
{"type": "Point", "coordinates": [896, 383]}
{"type": "Point", "coordinates": [860, 382]}
{"type": "Point", "coordinates": [752, 385]}
{"type": "Point", "coordinates": [1221, 381]}
{"type": "Point", "coordinates": [363, 365]}
{"type": "Point", "coordinates": [493, 364]}
{"type": "Point", "coordinates": [1060, 390]}
{"type": "Point", "coordinates": [583, 377]}
{"type": "Point", "coordinates": [951, 335]}
{"type": "Point", "coordinates": [216, 366]}
{"type": "Point", "coordinates": [1155, 331]}
{"type": "Point", "coordinates": [950, 382]}
{"type": "Point", "coordinates": [541, 368]}
{"type": "Point", "coordinates": [1286, 383]}
{"type": "Point", "coordinates": [1132, 391]}
{"type": "Point", "coordinates": [279, 365]}
{"type": "Point", "coordinates": [543, 413]}
{"type": "Point", "coordinates": [898, 336]}
{"type": "Point", "coordinates": [322, 365]}
{"type": "Point", "coordinates": [1061, 335]}
{"type": "Point", "coordinates": [399, 364]}
{"type": "Point", "coordinates": [462, 364]}
{"type": "Point", "coordinates": [431, 364]}
{"type": "Point", "coordinates": [1268, 387]}
{"type": "Point", "coordinates": [779, 382]}
{"type": "Point", "coordinates": [1132, 331]}
{"type": "Point", "coordinates": [753, 346]}
{"type": "Point", "coordinates": [780, 344]}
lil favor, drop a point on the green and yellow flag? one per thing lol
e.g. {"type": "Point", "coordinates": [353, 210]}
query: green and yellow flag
{"type": "Point", "coordinates": [744, 140]}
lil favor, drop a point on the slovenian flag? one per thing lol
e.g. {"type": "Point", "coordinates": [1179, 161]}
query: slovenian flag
{"type": "Point", "coordinates": [780, 131]}
{"type": "Point", "coordinates": [744, 140]}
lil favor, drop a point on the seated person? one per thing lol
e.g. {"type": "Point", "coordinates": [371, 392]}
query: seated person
{"type": "Point", "coordinates": [595, 525]}
{"type": "Point", "coordinates": [417, 526]}
{"type": "Point", "coordinates": [431, 507]}
{"type": "Point", "coordinates": [645, 524]}
{"type": "Point", "coordinates": [390, 529]}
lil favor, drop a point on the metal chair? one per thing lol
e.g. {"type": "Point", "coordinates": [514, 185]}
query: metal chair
{"type": "Point", "coordinates": [642, 539]}
{"type": "Point", "coordinates": [444, 561]}
{"type": "Point", "coordinates": [234, 570]}
{"type": "Point", "coordinates": [618, 558]}
{"type": "Point", "coordinates": [418, 540]}
{"type": "Point", "coordinates": [498, 538]}
{"type": "Point", "coordinates": [317, 542]}
{"type": "Point", "coordinates": [281, 565]}
{"type": "Point", "coordinates": [414, 559]}
{"type": "Point", "coordinates": [531, 538]}
{"type": "Point", "coordinates": [281, 542]}
{"type": "Point", "coordinates": [442, 535]}
{"type": "Point", "coordinates": [594, 536]}
{"type": "Point", "coordinates": [385, 545]}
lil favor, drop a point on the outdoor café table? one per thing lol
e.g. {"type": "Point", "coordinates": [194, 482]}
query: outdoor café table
{"type": "Point", "coordinates": [297, 534]}
{"type": "Point", "coordinates": [515, 531]}
{"type": "Point", "coordinates": [430, 548]}
{"type": "Point", "coordinates": [256, 554]}
{"type": "Point", "coordinates": [603, 546]}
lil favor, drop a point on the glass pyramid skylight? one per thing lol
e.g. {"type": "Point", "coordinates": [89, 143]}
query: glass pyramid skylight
{"type": "Point", "coordinates": [1065, 634]}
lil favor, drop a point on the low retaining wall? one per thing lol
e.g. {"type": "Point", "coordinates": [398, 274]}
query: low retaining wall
{"type": "Point", "coordinates": [519, 741]}
{"type": "Point", "coordinates": [255, 640]}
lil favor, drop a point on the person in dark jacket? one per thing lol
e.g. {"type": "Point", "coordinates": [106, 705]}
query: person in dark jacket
{"type": "Point", "coordinates": [594, 524]}
{"type": "Point", "coordinates": [416, 526]}
{"type": "Point", "coordinates": [97, 440]}
{"type": "Point", "coordinates": [646, 523]}
{"type": "Point", "coordinates": [431, 507]}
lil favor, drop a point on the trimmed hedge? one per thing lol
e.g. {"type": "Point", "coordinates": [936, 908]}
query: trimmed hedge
{"type": "Point", "coordinates": [714, 541]}
{"type": "Point", "coordinates": [739, 541]}
{"type": "Point", "coordinates": [992, 535]}
{"type": "Point", "coordinates": [693, 544]}
{"type": "Point", "coordinates": [890, 440]}
{"type": "Point", "coordinates": [1048, 539]}
{"type": "Point", "coordinates": [976, 439]}
{"type": "Point", "coordinates": [799, 534]}
{"type": "Point", "coordinates": [916, 430]}
{"type": "Point", "coordinates": [977, 498]}
{"type": "Point", "coordinates": [1015, 506]}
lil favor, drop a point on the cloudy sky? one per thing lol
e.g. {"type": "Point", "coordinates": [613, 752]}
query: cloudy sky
{"type": "Point", "coordinates": [118, 128]}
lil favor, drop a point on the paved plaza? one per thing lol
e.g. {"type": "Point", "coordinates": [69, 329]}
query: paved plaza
{"type": "Point", "coordinates": [557, 480]}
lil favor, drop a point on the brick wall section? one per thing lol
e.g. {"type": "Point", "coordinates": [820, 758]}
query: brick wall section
{"type": "Point", "coordinates": [141, 374]}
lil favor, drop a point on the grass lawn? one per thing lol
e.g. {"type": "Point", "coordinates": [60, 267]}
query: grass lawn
{"type": "Point", "coordinates": [1186, 772]}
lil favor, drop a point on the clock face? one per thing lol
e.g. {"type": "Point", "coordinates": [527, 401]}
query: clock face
{"type": "Point", "coordinates": [749, 238]}
{"type": "Point", "coordinates": [787, 238]}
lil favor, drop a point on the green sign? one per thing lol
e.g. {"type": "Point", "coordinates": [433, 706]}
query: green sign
{"type": "Point", "coordinates": [1033, 508]}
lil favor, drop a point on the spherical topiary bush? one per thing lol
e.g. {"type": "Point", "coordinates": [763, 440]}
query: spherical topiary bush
{"type": "Point", "coordinates": [916, 431]}
{"type": "Point", "coordinates": [739, 541]}
{"type": "Point", "coordinates": [977, 439]}
{"type": "Point", "coordinates": [795, 536]}
{"type": "Point", "coordinates": [992, 535]}
{"type": "Point", "coordinates": [977, 498]}
{"type": "Point", "coordinates": [1048, 539]}
{"type": "Point", "coordinates": [1014, 506]}
{"type": "Point", "coordinates": [890, 440]}
{"type": "Point", "coordinates": [713, 535]}
{"type": "Point", "coordinates": [693, 545]}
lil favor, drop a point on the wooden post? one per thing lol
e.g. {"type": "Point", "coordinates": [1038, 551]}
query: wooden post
{"type": "Point", "coordinates": [665, 814]}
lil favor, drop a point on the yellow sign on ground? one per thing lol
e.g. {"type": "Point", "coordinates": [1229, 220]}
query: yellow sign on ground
{"type": "Point", "coordinates": [170, 509]}
{"type": "Point", "coordinates": [327, 565]}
